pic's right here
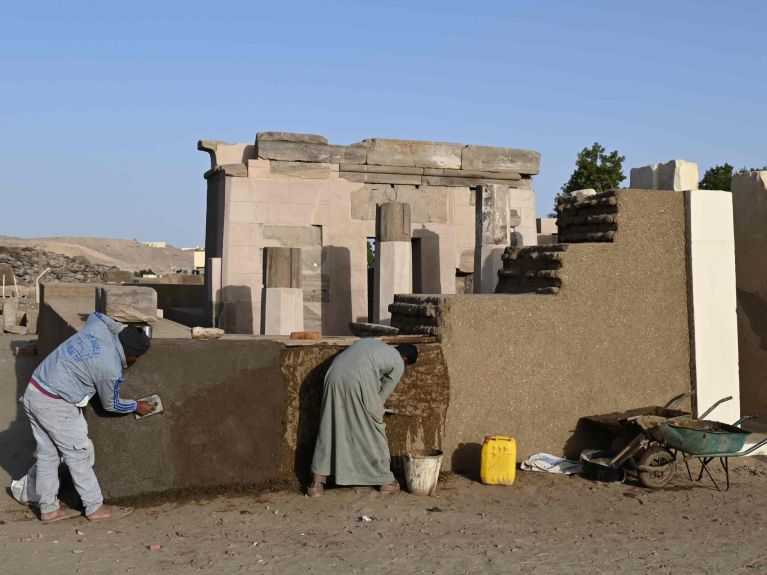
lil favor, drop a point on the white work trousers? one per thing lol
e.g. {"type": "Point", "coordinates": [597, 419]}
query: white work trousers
{"type": "Point", "coordinates": [60, 428]}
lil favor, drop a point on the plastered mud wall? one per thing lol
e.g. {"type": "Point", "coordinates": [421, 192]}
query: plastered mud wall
{"type": "Point", "coordinates": [614, 337]}
{"type": "Point", "coordinates": [239, 411]}
{"type": "Point", "coordinates": [420, 401]}
{"type": "Point", "coordinates": [224, 403]}
{"type": "Point", "coordinates": [749, 202]}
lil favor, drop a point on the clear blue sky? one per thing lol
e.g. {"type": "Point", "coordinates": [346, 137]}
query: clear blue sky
{"type": "Point", "coordinates": [102, 103]}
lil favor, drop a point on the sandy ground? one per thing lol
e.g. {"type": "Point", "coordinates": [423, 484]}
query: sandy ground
{"type": "Point", "coordinates": [542, 524]}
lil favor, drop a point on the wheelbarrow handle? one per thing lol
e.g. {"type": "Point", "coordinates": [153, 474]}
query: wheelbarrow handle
{"type": "Point", "coordinates": [713, 407]}
{"type": "Point", "coordinates": [744, 419]}
{"type": "Point", "coordinates": [675, 401]}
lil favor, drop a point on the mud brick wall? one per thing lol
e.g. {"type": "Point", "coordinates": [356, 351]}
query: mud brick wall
{"type": "Point", "coordinates": [534, 269]}
{"type": "Point", "coordinates": [594, 219]}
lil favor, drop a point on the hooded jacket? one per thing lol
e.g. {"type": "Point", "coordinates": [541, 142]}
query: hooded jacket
{"type": "Point", "coordinates": [89, 362]}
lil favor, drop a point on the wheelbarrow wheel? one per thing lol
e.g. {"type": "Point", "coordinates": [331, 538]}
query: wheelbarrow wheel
{"type": "Point", "coordinates": [656, 456]}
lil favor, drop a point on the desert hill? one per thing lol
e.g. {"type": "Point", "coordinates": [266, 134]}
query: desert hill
{"type": "Point", "coordinates": [128, 255]}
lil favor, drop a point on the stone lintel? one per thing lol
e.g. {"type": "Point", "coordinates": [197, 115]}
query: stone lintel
{"type": "Point", "coordinates": [374, 178]}
{"type": "Point", "coordinates": [487, 158]}
{"type": "Point", "coordinates": [364, 168]}
{"type": "Point", "coordinates": [413, 153]}
{"type": "Point", "coordinates": [291, 137]}
{"type": "Point", "coordinates": [311, 152]}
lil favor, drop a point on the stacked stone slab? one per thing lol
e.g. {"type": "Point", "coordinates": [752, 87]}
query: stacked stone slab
{"type": "Point", "coordinates": [676, 175]}
{"type": "Point", "coordinates": [416, 314]}
{"type": "Point", "coordinates": [299, 191]}
{"type": "Point", "coordinates": [533, 269]}
{"type": "Point", "coordinates": [588, 218]}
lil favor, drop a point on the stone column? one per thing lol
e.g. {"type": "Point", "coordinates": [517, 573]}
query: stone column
{"type": "Point", "coordinates": [283, 302]}
{"type": "Point", "coordinates": [394, 258]}
{"type": "Point", "coordinates": [712, 302]}
{"type": "Point", "coordinates": [492, 235]}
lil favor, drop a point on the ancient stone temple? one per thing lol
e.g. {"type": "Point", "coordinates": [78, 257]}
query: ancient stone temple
{"type": "Point", "coordinates": [299, 191]}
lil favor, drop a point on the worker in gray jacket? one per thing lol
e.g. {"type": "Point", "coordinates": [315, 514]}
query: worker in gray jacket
{"type": "Point", "coordinates": [88, 363]}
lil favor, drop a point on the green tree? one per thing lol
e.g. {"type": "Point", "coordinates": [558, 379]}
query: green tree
{"type": "Point", "coordinates": [720, 177]}
{"type": "Point", "coordinates": [717, 178]}
{"type": "Point", "coordinates": [595, 169]}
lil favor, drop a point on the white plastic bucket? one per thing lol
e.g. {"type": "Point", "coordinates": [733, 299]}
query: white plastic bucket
{"type": "Point", "coordinates": [422, 471]}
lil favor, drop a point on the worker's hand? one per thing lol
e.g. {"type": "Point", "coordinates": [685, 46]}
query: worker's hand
{"type": "Point", "coordinates": [144, 407]}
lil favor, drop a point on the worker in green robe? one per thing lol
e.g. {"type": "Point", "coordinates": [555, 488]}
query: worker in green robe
{"type": "Point", "coordinates": [352, 445]}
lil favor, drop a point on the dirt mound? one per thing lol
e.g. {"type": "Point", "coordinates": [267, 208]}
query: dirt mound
{"type": "Point", "coordinates": [28, 263]}
{"type": "Point", "coordinates": [129, 255]}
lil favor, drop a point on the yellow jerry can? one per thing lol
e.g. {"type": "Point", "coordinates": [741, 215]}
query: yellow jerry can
{"type": "Point", "coordinates": [499, 460]}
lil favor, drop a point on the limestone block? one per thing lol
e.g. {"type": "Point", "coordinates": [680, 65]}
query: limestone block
{"type": "Point", "coordinates": [16, 329]}
{"type": "Point", "coordinates": [242, 259]}
{"type": "Point", "coordinates": [678, 175]}
{"type": "Point", "coordinates": [239, 170]}
{"type": "Point", "coordinates": [378, 178]}
{"type": "Point", "coordinates": [238, 190]}
{"type": "Point", "coordinates": [492, 159]}
{"type": "Point", "coordinates": [487, 261]}
{"type": "Point", "coordinates": [283, 267]}
{"type": "Point", "coordinates": [309, 191]}
{"type": "Point", "coordinates": [130, 304]}
{"type": "Point", "coordinates": [298, 215]}
{"type": "Point", "coordinates": [414, 153]}
{"type": "Point", "coordinates": [365, 199]}
{"type": "Point", "coordinates": [311, 152]}
{"type": "Point", "coordinates": [206, 333]}
{"type": "Point", "coordinates": [393, 275]}
{"type": "Point", "coordinates": [307, 170]}
{"type": "Point", "coordinates": [512, 176]}
{"type": "Point", "coordinates": [222, 153]}
{"type": "Point", "coordinates": [381, 169]}
{"type": "Point", "coordinates": [294, 236]}
{"type": "Point", "coordinates": [291, 137]}
{"type": "Point", "coordinates": [10, 313]}
{"type": "Point", "coordinates": [270, 191]}
{"type": "Point", "coordinates": [30, 320]}
{"type": "Point", "coordinates": [283, 311]}
{"type": "Point", "coordinates": [465, 215]}
{"type": "Point", "coordinates": [547, 226]}
{"type": "Point", "coordinates": [428, 204]}
{"type": "Point", "coordinates": [393, 222]}
{"type": "Point", "coordinates": [712, 289]}
{"type": "Point", "coordinates": [644, 178]}
{"type": "Point", "coordinates": [581, 195]}
{"type": "Point", "coordinates": [117, 276]}
{"type": "Point", "coordinates": [316, 287]}
{"type": "Point", "coordinates": [492, 223]}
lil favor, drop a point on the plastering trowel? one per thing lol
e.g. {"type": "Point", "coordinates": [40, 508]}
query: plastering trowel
{"type": "Point", "coordinates": [155, 400]}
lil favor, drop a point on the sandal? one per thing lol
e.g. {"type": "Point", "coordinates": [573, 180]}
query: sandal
{"type": "Point", "coordinates": [115, 512]}
{"type": "Point", "coordinates": [392, 487]}
{"type": "Point", "coordinates": [62, 513]}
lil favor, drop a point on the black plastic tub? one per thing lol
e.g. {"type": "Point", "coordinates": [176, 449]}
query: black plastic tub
{"type": "Point", "coordinates": [596, 466]}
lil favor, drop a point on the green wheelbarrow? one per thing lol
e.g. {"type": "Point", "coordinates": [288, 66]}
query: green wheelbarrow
{"type": "Point", "coordinates": [653, 452]}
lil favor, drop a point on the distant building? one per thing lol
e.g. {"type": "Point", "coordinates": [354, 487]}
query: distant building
{"type": "Point", "coordinates": [199, 260]}
{"type": "Point", "coordinates": [156, 244]}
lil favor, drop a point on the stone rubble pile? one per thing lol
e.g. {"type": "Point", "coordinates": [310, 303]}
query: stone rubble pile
{"type": "Point", "coordinates": [28, 263]}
